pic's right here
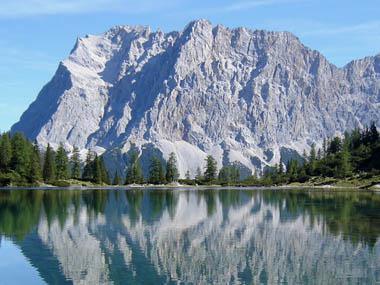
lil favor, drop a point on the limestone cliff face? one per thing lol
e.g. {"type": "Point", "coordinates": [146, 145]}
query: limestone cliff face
{"type": "Point", "coordinates": [241, 95]}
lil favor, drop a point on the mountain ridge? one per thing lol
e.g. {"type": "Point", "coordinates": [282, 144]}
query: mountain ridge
{"type": "Point", "coordinates": [245, 96]}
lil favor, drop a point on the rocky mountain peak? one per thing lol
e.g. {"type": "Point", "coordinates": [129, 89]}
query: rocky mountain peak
{"type": "Point", "coordinates": [248, 97]}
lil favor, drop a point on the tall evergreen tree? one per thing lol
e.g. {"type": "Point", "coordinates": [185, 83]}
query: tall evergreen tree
{"type": "Point", "coordinates": [292, 170]}
{"type": "Point", "coordinates": [187, 176]}
{"type": "Point", "coordinates": [97, 170]}
{"type": "Point", "coordinates": [156, 172]}
{"type": "Point", "coordinates": [20, 154]}
{"type": "Point", "coordinates": [134, 171]}
{"type": "Point", "coordinates": [62, 163]}
{"type": "Point", "coordinates": [324, 147]}
{"type": "Point", "coordinates": [281, 169]}
{"type": "Point", "coordinates": [373, 134]}
{"type": "Point", "coordinates": [88, 173]}
{"type": "Point", "coordinates": [75, 164]}
{"type": "Point", "coordinates": [171, 169]}
{"type": "Point", "coordinates": [229, 174]}
{"type": "Point", "coordinates": [344, 164]}
{"type": "Point", "coordinates": [49, 165]}
{"type": "Point", "coordinates": [335, 146]}
{"type": "Point", "coordinates": [211, 169]}
{"type": "Point", "coordinates": [312, 160]}
{"type": "Point", "coordinates": [104, 173]}
{"type": "Point", "coordinates": [5, 152]}
{"type": "Point", "coordinates": [35, 173]}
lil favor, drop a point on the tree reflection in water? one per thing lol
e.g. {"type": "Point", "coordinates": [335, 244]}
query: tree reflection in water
{"type": "Point", "coordinates": [210, 236]}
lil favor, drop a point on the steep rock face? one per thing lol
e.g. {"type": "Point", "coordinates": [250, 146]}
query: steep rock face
{"type": "Point", "coordinates": [241, 95]}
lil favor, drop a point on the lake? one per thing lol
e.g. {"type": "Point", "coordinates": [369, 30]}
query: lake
{"type": "Point", "coordinates": [189, 237]}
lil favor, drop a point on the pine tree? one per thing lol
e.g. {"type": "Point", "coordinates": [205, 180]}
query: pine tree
{"type": "Point", "coordinates": [97, 170]}
{"type": "Point", "coordinates": [88, 167]}
{"type": "Point", "coordinates": [292, 170]}
{"type": "Point", "coordinates": [171, 169]}
{"type": "Point", "coordinates": [35, 173]}
{"type": "Point", "coordinates": [224, 176]}
{"type": "Point", "coordinates": [20, 154]}
{"type": "Point", "coordinates": [187, 176]}
{"type": "Point", "coordinates": [49, 165]}
{"type": "Point", "coordinates": [344, 167]}
{"type": "Point", "coordinates": [134, 171]}
{"type": "Point", "coordinates": [373, 134]}
{"type": "Point", "coordinates": [156, 172]}
{"type": "Point", "coordinates": [137, 172]}
{"type": "Point", "coordinates": [104, 173]}
{"type": "Point", "coordinates": [5, 152]}
{"type": "Point", "coordinates": [281, 169]}
{"type": "Point", "coordinates": [75, 164]}
{"type": "Point", "coordinates": [211, 169]}
{"type": "Point", "coordinates": [62, 163]}
{"type": "Point", "coordinates": [335, 146]}
{"type": "Point", "coordinates": [324, 148]}
{"type": "Point", "coordinates": [312, 160]}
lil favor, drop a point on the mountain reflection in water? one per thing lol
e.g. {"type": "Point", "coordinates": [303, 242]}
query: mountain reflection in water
{"type": "Point", "coordinates": [196, 237]}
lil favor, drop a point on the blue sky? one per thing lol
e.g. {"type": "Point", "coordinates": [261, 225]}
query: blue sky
{"type": "Point", "coordinates": [36, 34]}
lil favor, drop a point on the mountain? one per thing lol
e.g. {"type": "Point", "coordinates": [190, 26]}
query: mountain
{"type": "Point", "coordinates": [246, 97]}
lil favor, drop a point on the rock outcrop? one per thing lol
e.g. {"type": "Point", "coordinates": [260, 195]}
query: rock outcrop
{"type": "Point", "coordinates": [244, 96]}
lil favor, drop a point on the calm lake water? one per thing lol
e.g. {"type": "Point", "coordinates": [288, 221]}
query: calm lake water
{"type": "Point", "coordinates": [189, 237]}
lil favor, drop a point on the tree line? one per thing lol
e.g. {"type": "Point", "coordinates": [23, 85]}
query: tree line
{"type": "Point", "coordinates": [357, 153]}
{"type": "Point", "coordinates": [23, 163]}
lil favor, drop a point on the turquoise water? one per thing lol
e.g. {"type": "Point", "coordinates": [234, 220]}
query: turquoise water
{"type": "Point", "coordinates": [189, 237]}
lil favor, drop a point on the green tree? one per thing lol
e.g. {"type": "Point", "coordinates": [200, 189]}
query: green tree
{"type": "Point", "coordinates": [35, 173]}
{"type": "Point", "coordinates": [49, 165]}
{"type": "Point", "coordinates": [229, 174]}
{"type": "Point", "coordinates": [344, 164]}
{"type": "Point", "coordinates": [335, 146]}
{"type": "Point", "coordinates": [187, 176]}
{"type": "Point", "coordinates": [20, 154]}
{"type": "Point", "coordinates": [88, 173]}
{"type": "Point", "coordinates": [156, 171]}
{"type": "Point", "coordinates": [312, 160]}
{"type": "Point", "coordinates": [211, 169]}
{"type": "Point", "coordinates": [134, 171]}
{"type": "Point", "coordinates": [292, 170]}
{"type": "Point", "coordinates": [97, 170]}
{"type": "Point", "coordinates": [75, 164]}
{"type": "Point", "coordinates": [281, 169]}
{"type": "Point", "coordinates": [171, 169]}
{"type": "Point", "coordinates": [104, 173]}
{"type": "Point", "coordinates": [5, 152]}
{"type": "Point", "coordinates": [373, 134]}
{"type": "Point", "coordinates": [62, 163]}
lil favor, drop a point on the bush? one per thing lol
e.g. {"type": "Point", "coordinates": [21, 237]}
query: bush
{"type": "Point", "coordinates": [10, 178]}
{"type": "Point", "coordinates": [61, 183]}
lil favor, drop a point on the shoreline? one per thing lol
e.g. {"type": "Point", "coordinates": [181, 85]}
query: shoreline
{"type": "Point", "coordinates": [375, 188]}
